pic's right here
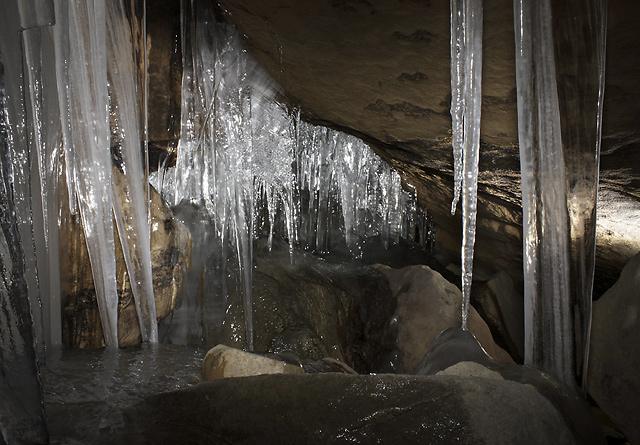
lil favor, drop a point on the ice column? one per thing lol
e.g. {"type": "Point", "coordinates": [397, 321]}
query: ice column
{"type": "Point", "coordinates": [129, 191]}
{"type": "Point", "coordinates": [88, 138]}
{"type": "Point", "coordinates": [559, 136]}
{"type": "Point", "coordinates": [22, 417]}
{"type": "Point", "coordinates": [466, 101]}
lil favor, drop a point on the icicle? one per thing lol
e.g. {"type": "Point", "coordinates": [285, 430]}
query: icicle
{"type": "Point", "coordinates": [458, 32]}
{"type": "Point", "coordinates": [466, 94]}
{"type": "Point", "coordinates": [129, 194]}
{"type": "Point", "coordinates": [86, 94]}
{"type": "Point", "coordinates": [558, 183]}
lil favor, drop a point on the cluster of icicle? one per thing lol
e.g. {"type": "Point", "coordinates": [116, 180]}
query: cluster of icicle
{"type": "Point", "coordinates": [83, 84]}
{"type": "Point", "coordinates": [560, 79]}
{"type": "Point", "coordinates": [559, 137]}
{"type": "Point", "coordinates": [466, 100]}
{"type": "Point", "coordinates": [254, 168]}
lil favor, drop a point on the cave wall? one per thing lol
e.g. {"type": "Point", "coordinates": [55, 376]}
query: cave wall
{"type": "Point", "coordinates": [379, 69]}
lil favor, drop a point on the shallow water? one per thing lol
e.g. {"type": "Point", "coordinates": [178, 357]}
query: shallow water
{"type": "Point", "coordinates": [85, 391]}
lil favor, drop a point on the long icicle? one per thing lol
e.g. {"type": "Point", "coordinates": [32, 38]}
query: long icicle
{"type": "Point", "coordinates": [130, 203]}
{"type": "Point", "coordinates": [466, 94]}
{"type": "Point", "coordinates": [88, 100]}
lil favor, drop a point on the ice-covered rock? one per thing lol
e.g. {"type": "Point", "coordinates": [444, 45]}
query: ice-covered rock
{"type": "Point", "coordinates": [170, 249]}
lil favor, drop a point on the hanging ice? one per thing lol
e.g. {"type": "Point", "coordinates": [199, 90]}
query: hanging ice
{"type": "Point", "coordinates": [252, 167]}
{"type": "Point", "coordinates": [22, 417]}
{"type": "Point", "coordinates": [129, 181]}
{"type": "Point", "coordinates": [559, 153]}
{"type": "Point", "coordinates": [88, 101]}
{"type": "Point", "coordinates": [466, 100]}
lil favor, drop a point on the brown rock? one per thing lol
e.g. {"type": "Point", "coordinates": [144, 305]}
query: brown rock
{"type": "Point", "coordinates": [222, 362]}
{"type": "Point", "coordinates": [427, 304]}
{"type": "Point", "coordinates": [170, 249]}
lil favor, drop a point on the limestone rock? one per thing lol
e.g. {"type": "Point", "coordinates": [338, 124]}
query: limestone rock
{"type": "Point", "coordinates": [614, 359]}
{"type": "Point", "coordinates": [170, 250]}
{"type": "Point", "coordinates": [341, 408]}
{"type": "Point", "coordinates": [502, 309]}
{"type": "Point", "coordinates": [222, 362]}
{"type": "Point", "coordinates": [427, 304]}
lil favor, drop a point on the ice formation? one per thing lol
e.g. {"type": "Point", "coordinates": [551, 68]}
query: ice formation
{"type": "Point", "coordinates": [249, 166]}
{"type": "Point", "coordinates": [559, 133]}
{"type": "Point", "coordinates": [466, 100]}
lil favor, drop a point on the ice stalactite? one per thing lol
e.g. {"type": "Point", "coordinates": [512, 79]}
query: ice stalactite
{"type": "Point", "coordinates": [559, 156]}
{"type": "Point", "coordinates": [466, 100]}
{"type": "Point", "coordinates": [88, 101]}
{"type": "Point", "coordinates": [128, 185]}
{"type": "Point", "coordinates": [249, 167]}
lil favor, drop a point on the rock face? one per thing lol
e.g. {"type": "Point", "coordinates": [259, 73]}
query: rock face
{"type": "Point", "coordinates": [304, 305]}
{"type": "Point", "coordinates": [614, 360]}
{"type": "Point", "coordinates": [380, 69]}
{"type": "Point", "coordinates": [81, 326]}
{"type": "Point", "coordinates": [427, 304]}
{"type": "Point", "coordinates": [480, 407]}
{"type": "Point", "coordinates": [223, 362]}
{"type": "Point", "coordinates": [502, 309]}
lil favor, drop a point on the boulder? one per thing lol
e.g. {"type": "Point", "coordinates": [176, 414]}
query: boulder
{"type": "Point", "coordinates": [427, 304]}
{"type": "Point", "coordinates": [614, 358]}
{"type": "Point", "coordinates": [222, 362]}
{"type": "Point", "coordinates": [502, 308]}
{"type": "Point", "coordinates": [170, 251]}
{"type": "Point", "coordinates": [478, 408]}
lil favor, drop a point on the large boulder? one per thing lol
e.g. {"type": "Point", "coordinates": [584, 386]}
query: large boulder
{"type": "Point", "coordinates": [427, 304]}
{"type": "Point", "coordinates": [614, 359]}
{"type": "Point", "coordinates": [479, 407]}
{"type": "Point", "coordinates": [170, 251]}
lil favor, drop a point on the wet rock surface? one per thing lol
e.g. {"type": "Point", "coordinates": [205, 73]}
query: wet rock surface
{"type": "Point", "coordinates": [427, 304]}
{"type": "Point", "coordinates": [340, 408]}
{"type": "Point", "coordinates": [614, 360]}
{"type": "Point", "coordinates": [315, 309]}
{"type": "Point", "coordinates": [170, 244]}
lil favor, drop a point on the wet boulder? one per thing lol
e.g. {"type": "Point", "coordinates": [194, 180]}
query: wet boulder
{"type": "Point", "coordinates": [315, 309]}
{"type": "Point", "coordinates": [478, 407]}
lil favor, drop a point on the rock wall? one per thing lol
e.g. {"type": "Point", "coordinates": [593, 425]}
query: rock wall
{"type": "Point", "coordinates": [379, 69]}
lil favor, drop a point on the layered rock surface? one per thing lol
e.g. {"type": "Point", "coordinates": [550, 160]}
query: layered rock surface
{"type": "Point", "coordinates": [380, 69]}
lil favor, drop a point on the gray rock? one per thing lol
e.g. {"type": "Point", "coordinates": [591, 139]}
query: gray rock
{"type": "Point", "coordinates": [342, 408]}
{"type": "Point", "coordinates": [614, 359]}
{"type": "Point", "coordinates": [317, 310]}
{"type": "Point", "coordinates": [427, 304]}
